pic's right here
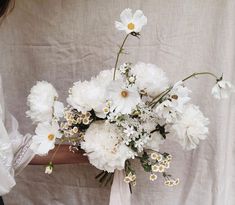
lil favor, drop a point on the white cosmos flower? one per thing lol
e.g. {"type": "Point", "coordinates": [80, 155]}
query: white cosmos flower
{"type": "Point", "coordinates": [179, 96]}
{"type": "Point", "coordinates": [172, 108]}
{"type": "Point", "coordinates": [123, 99]}
{"type": "Point", "coordinates": [41, 101]}
{"type": "Point", "coordinates": [222, 89]}
{"type": "Point", "coordinates": [191, 128]}
{"type": "Point", "coordinates": [150, 78]}
{"type": "Point", "coordinates": [131, 23]}
{"type": "Point", "coordinates": [45, 137]}
{"type": "Point", "coordinates": [105, 148]}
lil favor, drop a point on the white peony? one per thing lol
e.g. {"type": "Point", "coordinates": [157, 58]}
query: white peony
{"type": "Point", "coordinates": [222, 89]}
{"type": "Point", "coordinates": [123, 99]}
{"type": "Point", "coordinates": [41, 101]}
{"type": "Point", "coordinates": [150, 78]}
{"type": "Point", "coordinates": [88, 95]}
{"type": "Point", "coordinates": [191, 128]}
{"type": "Point", "coordinates": [105, 148]}
{"type": "Point", "coordinates": [45, 137]}
{"type": "Point", "coordinates": [131, 23]}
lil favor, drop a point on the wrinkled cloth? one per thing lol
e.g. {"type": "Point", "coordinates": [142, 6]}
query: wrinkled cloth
{"type": "Point", "coordinates": [14, 149]}
{"type": "Point", "coordinates": [63, 41]}
{"type": "Point", "coordinates": [120, 192]}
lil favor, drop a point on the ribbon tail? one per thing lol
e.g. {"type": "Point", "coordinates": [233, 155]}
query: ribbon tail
{"type": "Point", "coordinates": [120, 192]}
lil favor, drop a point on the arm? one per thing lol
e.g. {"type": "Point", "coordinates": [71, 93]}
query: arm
{"type": "Point", "coordinates": [62, 156]}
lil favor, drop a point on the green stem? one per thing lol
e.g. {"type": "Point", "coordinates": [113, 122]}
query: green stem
{"type": "Point", "coordinates": [118, 55]}
{"type": "Point", "coordinates": [201, 73]}
{"type": "Point", "coordinates": [164, 93]}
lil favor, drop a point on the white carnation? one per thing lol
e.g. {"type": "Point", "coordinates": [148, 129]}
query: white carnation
{"type": "Point", "coordinates": [191, 128]}
{"type": "Point", "coordinates": [150, 78]}
{"type": "Point", "coordinates": [105, 148]}
{"type": "Point", "coordinates": [41, 101]}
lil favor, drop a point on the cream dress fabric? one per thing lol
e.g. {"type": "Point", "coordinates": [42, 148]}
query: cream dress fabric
{"type": "Point", "coordinates": [63, 41]}
{"type": "Point", "coordinates": [14, 148]}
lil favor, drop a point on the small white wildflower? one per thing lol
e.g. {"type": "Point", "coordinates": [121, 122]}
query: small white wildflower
{"type": "Point", "coordinates": [153, 177]}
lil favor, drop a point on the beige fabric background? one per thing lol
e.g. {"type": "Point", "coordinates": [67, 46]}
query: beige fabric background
{"type": "Point", "coordinates": [67, 40]}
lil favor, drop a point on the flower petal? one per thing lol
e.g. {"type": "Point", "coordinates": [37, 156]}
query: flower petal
{"type": "Point", "coordinates": [120, 26]}
{"type": "Point", "coordinates": [126, 16]}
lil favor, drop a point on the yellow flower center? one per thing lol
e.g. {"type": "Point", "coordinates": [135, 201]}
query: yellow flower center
{"type": "Point", "coordinates": [124, 93]}
{"type": "Point", "coordinates": [51, 137]}
{"type": "Point", "coordinates": [131, 26]}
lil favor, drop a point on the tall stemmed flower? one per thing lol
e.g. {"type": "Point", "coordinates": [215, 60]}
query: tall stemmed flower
{"type": "Point", "coordinates": [132, 25]}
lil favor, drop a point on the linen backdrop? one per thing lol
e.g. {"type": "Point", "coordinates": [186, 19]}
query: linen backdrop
{"type": "Point", "coordinates": [63, 41]}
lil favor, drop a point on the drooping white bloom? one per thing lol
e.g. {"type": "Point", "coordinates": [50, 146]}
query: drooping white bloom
{"type": "Point", "coordinates": [41, 101]}
{"type": "Point", "coordinates": [105, 148]}
{"type": "Point", "coordinates": [45, 137]}
{"type": "Point", "coordinates": [150, 78]}
{"type": "Point", "coordinates": [222, 89]}
{"type": "Point", "coordinates": [131, 23]}
{"type": "Point", "coordinates": [123, 99]}
{"type": "Point", "coordinates": [191, 128]}
{"type": "Point", "coordinates": [48, 169]}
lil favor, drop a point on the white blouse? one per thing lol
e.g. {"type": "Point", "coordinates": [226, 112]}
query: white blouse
{"type": "Point", "coordinates": [14, 148]}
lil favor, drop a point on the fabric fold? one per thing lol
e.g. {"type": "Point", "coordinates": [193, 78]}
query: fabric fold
{"type": "Point", "coordinates": [120, 192]}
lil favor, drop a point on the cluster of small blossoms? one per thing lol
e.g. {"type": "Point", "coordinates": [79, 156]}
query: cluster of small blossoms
{"type": "Point", "coordinates": [125, 72]}
{"type": "Point", "coordinates": [134, 134]}
{"type": "Point", "coordinates": [169, 181]}
{"type": "Point", "coordinates": [159, 163]}
{"type": "Point", "coordinates": [74, 122]}
{"type": "Point", "coordinates": [130, 178]}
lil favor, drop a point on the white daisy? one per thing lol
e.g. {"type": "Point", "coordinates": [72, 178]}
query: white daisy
{"type": "Point", "coordinates": [45, 137]}
{"type": "Point", "coordinates": [222, 89]}
{"type": "Point", "coordinates": [123, 99]}
{"type": "Point", "coordinates": [131, 23]}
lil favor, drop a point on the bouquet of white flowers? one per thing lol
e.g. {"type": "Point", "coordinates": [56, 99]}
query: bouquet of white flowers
{"type": "Point", "coordinates": [122, 114]}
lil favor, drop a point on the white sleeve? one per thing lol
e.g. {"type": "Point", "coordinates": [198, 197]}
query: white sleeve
{"type": "Point", "coordinates": [14, 148]}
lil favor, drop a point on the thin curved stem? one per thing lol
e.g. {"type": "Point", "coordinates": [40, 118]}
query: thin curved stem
{"type": "Point", "coordinates": [118, 55]}
{"type": "Point", "coordinates": [200, 73]}
{"type": "Point", "coordinates": [164, 93]}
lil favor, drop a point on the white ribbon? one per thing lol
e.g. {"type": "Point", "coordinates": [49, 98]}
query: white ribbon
{"type": "Point", "coordinates": [120, 192]}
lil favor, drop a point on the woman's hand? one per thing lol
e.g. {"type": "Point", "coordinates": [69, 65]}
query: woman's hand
{"type": "Point", "coordinates": [62, 156]}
